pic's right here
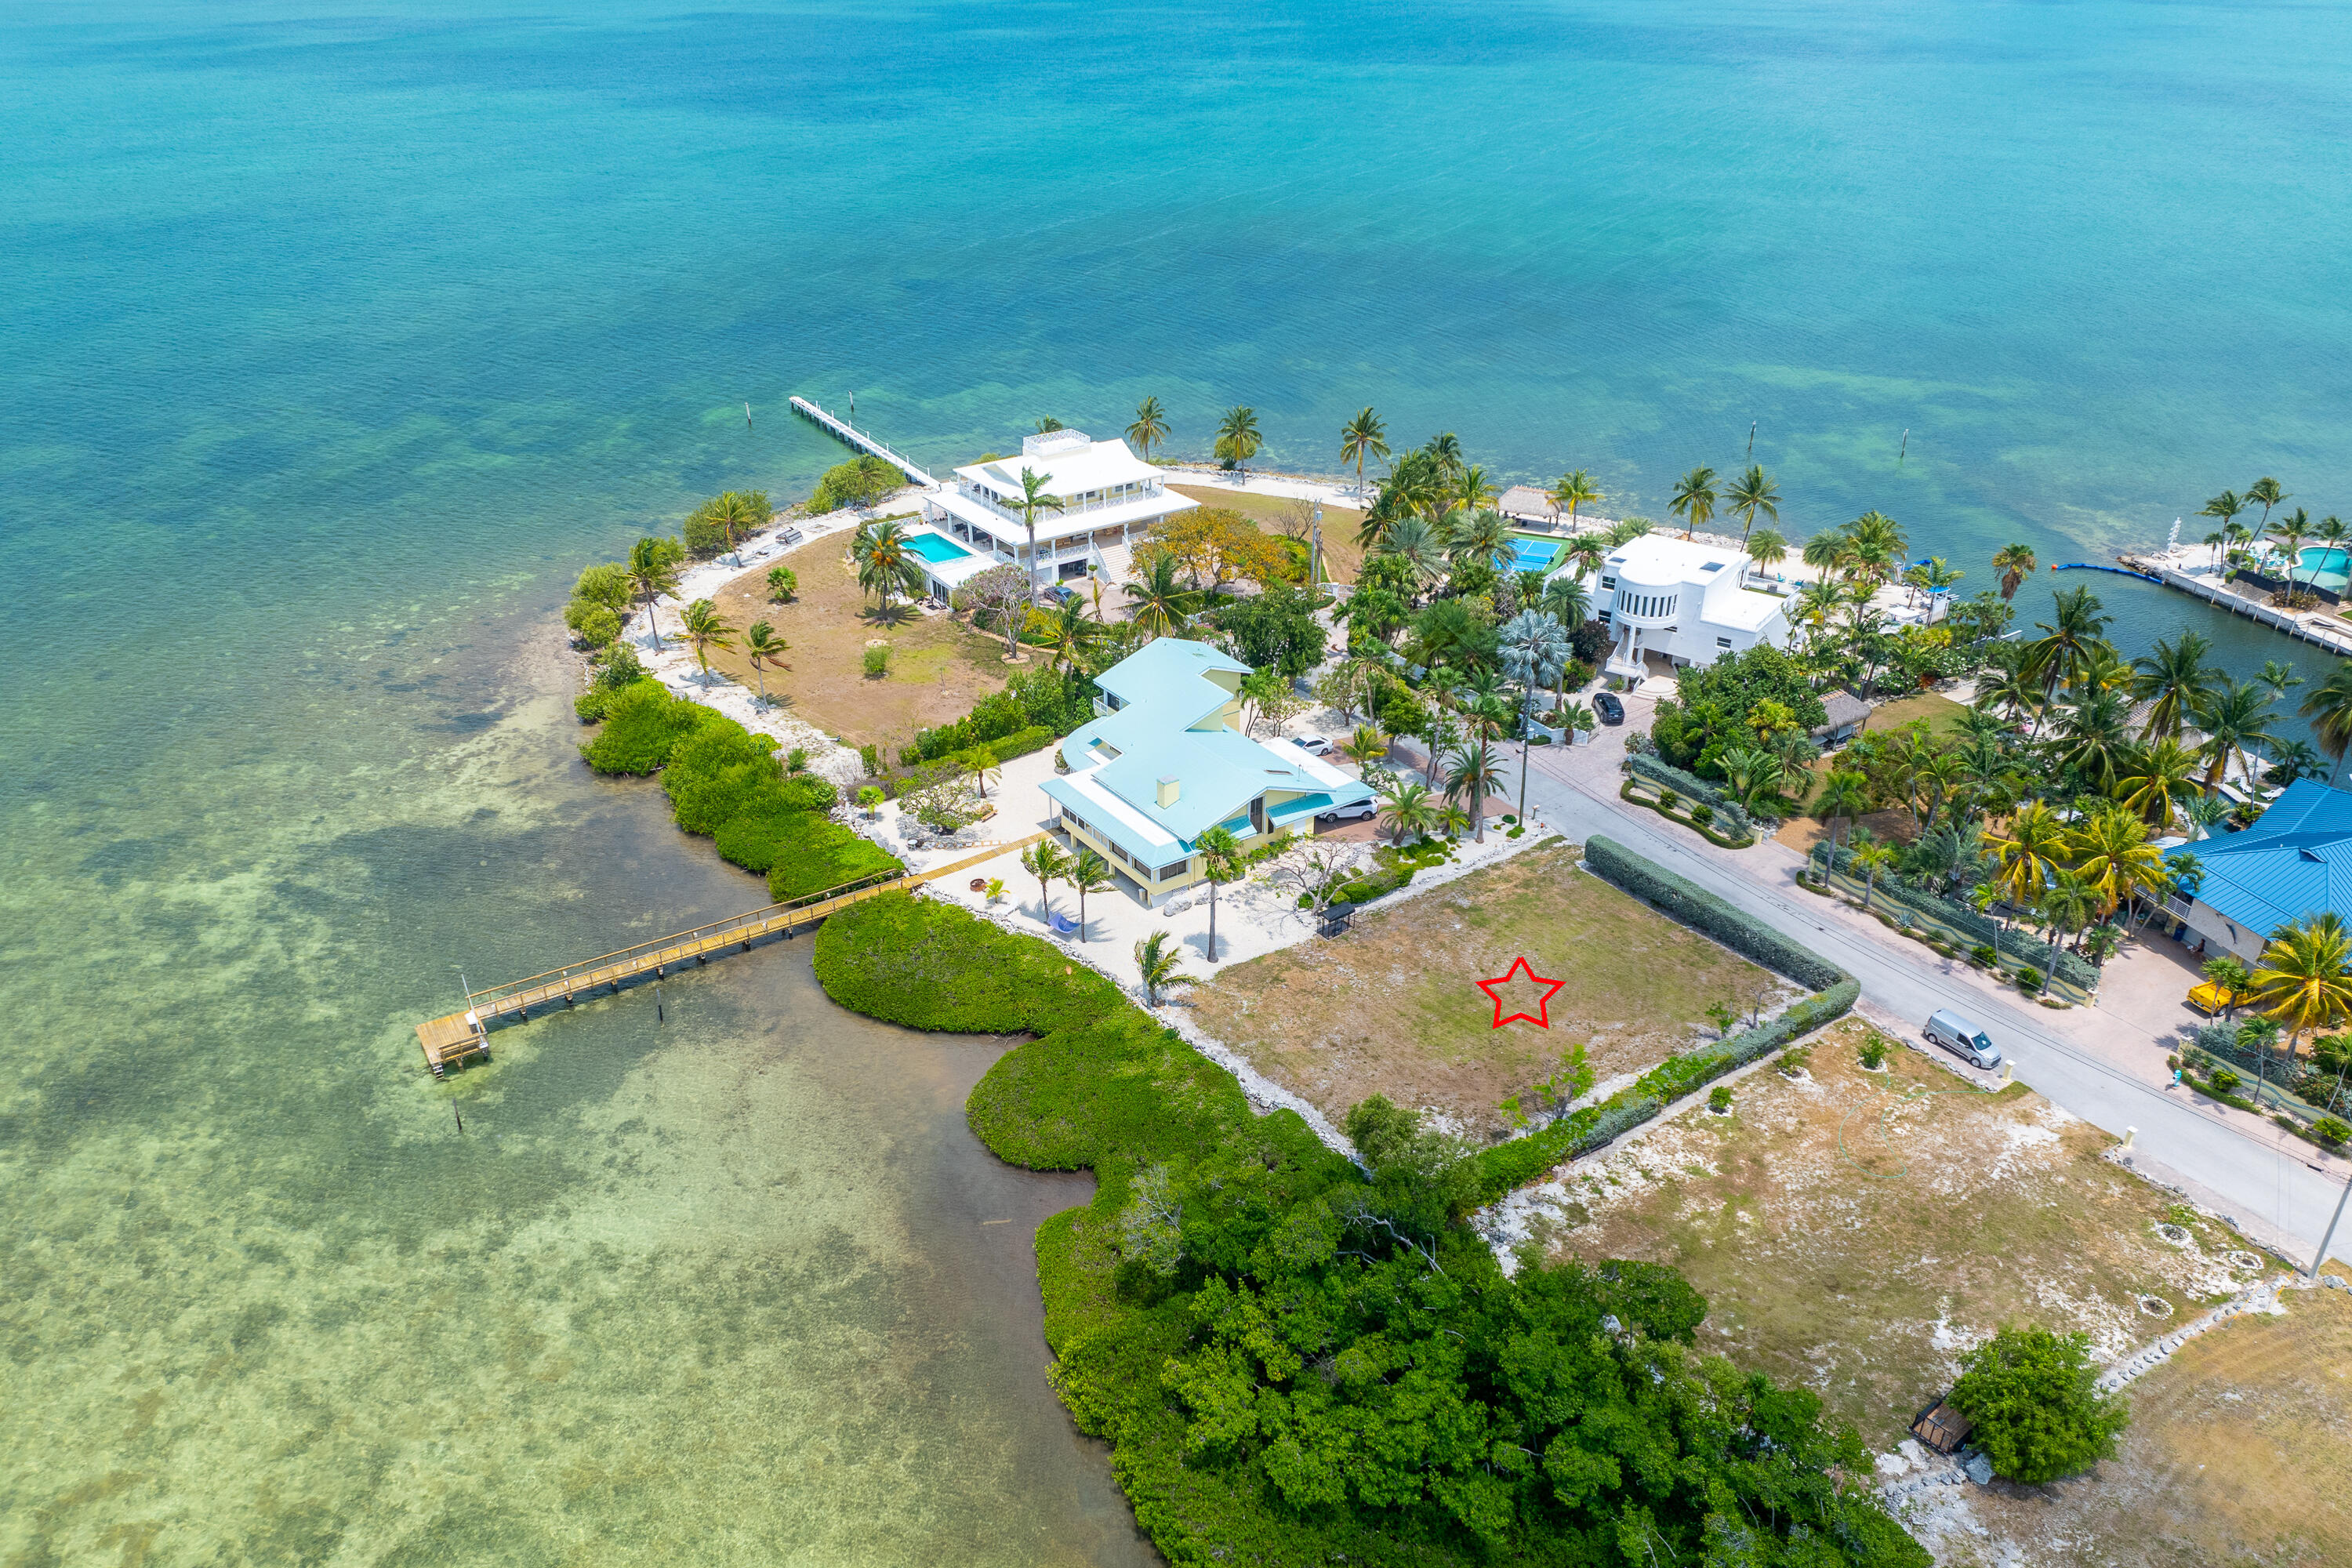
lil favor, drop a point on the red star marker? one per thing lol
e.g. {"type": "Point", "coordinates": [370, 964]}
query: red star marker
{"type": "Point", "coordinates": [1541, 1016]}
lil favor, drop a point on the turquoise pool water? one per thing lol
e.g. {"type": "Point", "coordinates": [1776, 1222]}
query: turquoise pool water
{"type": "Point", "coordinates": [935, 548]}
{"type": "Point", "coordinates": [2324, 566]}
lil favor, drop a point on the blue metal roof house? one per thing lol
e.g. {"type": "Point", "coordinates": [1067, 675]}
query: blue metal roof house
{"type": "Point", "coordinates": [2295, 860]}
{"type": "Point", "coordinates": [1164, 760]}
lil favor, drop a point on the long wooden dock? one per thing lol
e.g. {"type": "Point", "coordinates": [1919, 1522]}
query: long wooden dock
{"type": "Point", "coordinates": [842, 430]}
{"type": "Point", "coordinates": [459, 1038]}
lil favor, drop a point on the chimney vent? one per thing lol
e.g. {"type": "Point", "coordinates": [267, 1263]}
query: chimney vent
{"type": "Point", "coordinates": [1168, 789]}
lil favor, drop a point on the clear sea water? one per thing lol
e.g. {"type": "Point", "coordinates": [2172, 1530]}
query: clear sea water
{"type": "Point", "coordinates": [338, 336]}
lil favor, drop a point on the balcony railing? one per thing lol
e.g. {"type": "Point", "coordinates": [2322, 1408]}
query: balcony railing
{"type": "Point", "coordinates": [1075, 508]}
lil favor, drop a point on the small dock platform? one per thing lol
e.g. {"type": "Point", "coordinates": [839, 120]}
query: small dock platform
{"type": "Point", "coordinates": [459, 1038]}
{"type": "Point", "coordinates": [842, 430]}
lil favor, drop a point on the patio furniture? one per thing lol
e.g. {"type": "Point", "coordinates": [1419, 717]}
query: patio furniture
{"type": "Point", "coordinates": [980, 884]}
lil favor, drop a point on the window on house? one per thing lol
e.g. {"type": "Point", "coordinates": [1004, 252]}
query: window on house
{"type": "Point", "coordinates": [1723, 642]}
{"type": "Point", "coordinates": [1168, 871]}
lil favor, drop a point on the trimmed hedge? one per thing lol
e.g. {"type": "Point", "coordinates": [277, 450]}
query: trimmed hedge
{"type": "Point", "coordinates": [1625, 792]}
{"type": "Point", "coordinates": [1690, 786]}
{"type": "Point", "coordinates": [1021, 743]}
{"type": "Point", "coordinates": [2017, 945]}
{"type": "Point", "coordinates": [1701, 910]}
{"type": "Point", "coordinates": [1055, 701]}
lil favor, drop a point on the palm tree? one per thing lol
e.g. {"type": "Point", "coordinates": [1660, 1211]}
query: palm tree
{"type": "Point", "coordinates": [1419, 546]}
{"type": "Point", "coordinates": [1482, 537]}
{"type": "Point", "coordinates": [2279, 676]}
{"type": "Point", "coordinates": [1156, 959]}
{"type": "Point", "coordinates": [1471, 491]}
{"type": "Point", "coordinates": [762, 644]}
{"type": "Point", "coordinates": [1445, 450]}
{"type": "Point", "coordinates": [1750, 493]}
{"type": "Point", "coordinates": [1565, 601]}
{"type": "Point", "coordinates": [1151, 427]}
{"type": "Point", "coordinates": [1878, 543]}
{"type": "Point", "coordinates": [2265, 493]}
{"type": "Point", "coordinates": [736, 516]}
{"type": "Point", "coordinates": [1575, 489]}
{"type": "Point", "coordinates": [2069, 904]}
{"type": "Point", "coordinates": [2015, 563]}
{"type": "Point", "coordinates": [1535, 651]}
{"type": "Point", "coordinates": [1766, 548]}
{"type": "Point", "coordinates": [2094, 738]}
{"type": "Point", "coordinates": [1088, 873]}
{"type": "Point", "coordinates": [1045, 861]}
{"type": "Point", "coordinates": [1035, 498]}
{"type": "Point", "coordinates": [2225, 505]}
{"type": "Point", "coordinates": [2289, 530]}
{"type": "Point", "coordinates": [1845, 795]}
{"type": "Point", "coordinates": [1366, 747]}
{"type": "Point", "coordinates": [653, 572]}
{"type": "Point", "coordinates": [1410, 810]}
{"type": "Point", "coordinates": [1828, 552]}
{"type": "Point", "coordinates": [1365, 436]}
{"type": "Point", "coordinates": [1153, 597]}
{"type": "Point", "coordinates": [1584, 554]}
{"type": "Point", "coordinates": [2305, 976]}
{"type": "Point", "coordinates": [2009, 688]}
{"type": "Point", "coordinates": [2329, 709]}
{"type": "Point", "coordinates": [1072, 633]}
{"type": "Point", "coordinates": [1238, 438]}
{"type": "Point", "coordinates": [2077, 621]}
{"type": "Point", "coordinates": [705, 629]}
{"type": "Point", "coordinates": [2201, 812]}
{"type": "Point", "coordinates": [1471, 774]}
{"type": "Point", "coordinates": [2028, 854]}
{"type": "Point", "coordinates": [2164, 775]}
{"type": "Point", "coordinates": [2173, 679]}
{"type": "Point", "coordinates": [980, 761]}
{"type": "Point", "coordinates": [887, 561]}
{"type": "Point", "coordinates": [1221, 862]}
{"type": "Point", "coordinates": [2235, 717]}
{"type": "Point", "coordinates": [1873, 858]}
{"type": "Point", "coordinates": [2116, 858]}
{"type": "Point", "coordinates": [1694, 500]}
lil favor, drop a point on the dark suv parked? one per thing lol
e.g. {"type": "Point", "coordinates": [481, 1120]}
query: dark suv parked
{"type": "Point", "coordinates": [1611, 711]}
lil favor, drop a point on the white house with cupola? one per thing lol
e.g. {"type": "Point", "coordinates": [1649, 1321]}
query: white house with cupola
{"type": "Point", "coordinates": [1110, 500]}
{"type": "Point", "coordinates": [1670, 602]}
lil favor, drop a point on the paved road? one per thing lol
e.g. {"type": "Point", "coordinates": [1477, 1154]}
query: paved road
{"type": "Point", "coordinates": [2269, 1186]}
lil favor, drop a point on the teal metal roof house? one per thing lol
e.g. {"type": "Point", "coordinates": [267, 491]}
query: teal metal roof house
{"type": "Point", "coordinates": [2295, 860]}
{"type": "Point", "coordinates": [1164, 760]}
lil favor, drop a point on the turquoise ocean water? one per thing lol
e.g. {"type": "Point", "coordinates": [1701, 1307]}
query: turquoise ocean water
{"type": "Point", "coordinates": [337, 338]}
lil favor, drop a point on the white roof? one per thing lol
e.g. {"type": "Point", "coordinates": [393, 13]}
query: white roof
{"type": "Point", "coordinates": [1096, 466]}
{"type": "Point", "coordinates": [1141, 511]}
{"type": "Point", "coordinates": [1656, 557]}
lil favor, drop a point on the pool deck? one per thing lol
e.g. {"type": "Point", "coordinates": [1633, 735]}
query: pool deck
{"type": "Point", "coordinates": [2191, 569]}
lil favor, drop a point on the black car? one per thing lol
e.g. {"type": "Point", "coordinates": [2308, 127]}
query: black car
{"type": "Point", "coordinates": [1611, 711]}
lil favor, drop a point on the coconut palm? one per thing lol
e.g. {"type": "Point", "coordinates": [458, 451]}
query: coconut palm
{"type": "Point", "coordinates": [2279, 676]}
{"type": "Point", "coordinates": [1828, 552]}
{"type": "Point", "coordinates": [1156, 959]}
{"type": "Point", "coordinates": [2265, 493]}
{"type": "Point", "coordinates": [1238, 438]}
{"type": "Point", "coordinates": [652, 571]}
{"type": "Point", "coordinates": [1750, 493]}
{"type": "Point", "coordinates": [2225, 505]}
{"type": "Point", "coordinates": [1153, 597]}
{"type": "Point", "coordinates": [2174, 679]}
{"type": "Point", "coordinates": [1035, 498]}
{"type": "Point", "coordinates": [1045, 862]}
{"type": "Point", "coordinates": [1870, 858]}
{"type": "Point", "coordinates": [705, 629]}
{"type": "Point", "coordinates": [1365, 436]}
{"type": "Point", "coordinates": [1694, 498]}
{"type": "Point", "coordinates": [1471, 774]}
{"type": "Point", "coordinates": [2329, 709]}
{"type": "Point", "coordinates": [1480, 537]}
{"type": "Point", "coordinates": [2162, 777]}
{"type": "Point", "coordinates": [1221, 862]}
{"type": "Point", "coordinates": [1845, 795]}
{"type": "Point", "coordinates": [2029, 853]}
{"type": "Point", "coordinates": [2077, 622]}
{"type": "Point", "coordinates": [2303, 978]}
{"type": "Point", "coordinates": [1879, 545]}
{"type": "Point", "coordinates": [1072, 633]}
{"type": "Point", "coordinates": [1366, 747]}
{"type": "Point", "coordinates": [2068, 904]}
{"type": "Point", "coordinates": [762, 644]}
{"type": "Point", "coordinates": [1407, 810]}
{"type": "Point", "coordinates": [1422, 546]}
{"type": "Point", "coordinates": [1565, 601]}
{"type": "Point", "coordinates": [2290, 530]}
{"type": "Point", "coordinates": [736, 515]}
{"type": "Point", "coordinates": [2201, 812]}
{"type": "Point", "coordinates": [1088, 873]}
{"type": "Point", "coordinates": [2094, 738]}
{"type": "Point", "coordinates": [2115, 856]}
{"type": "Point", "coordinates": [1471, 490]}
{"type": "Point", "coordinates": [2010, 690]}
{"type": "Point", "coordinates": [1583, 555]}
{"type": "Point", "coordinates": [1445, 451]}
{"type": "Point", "coordinates": [2015, 563]}
{"type": "Point", "coordinates": [887, 561]}
{"type": "Point", "coordinates": [2292, 760]}
{"type": "Point", "coordinates": [1575, 488]}
{"type": "Point", "coordinates": [1766, 548]}
{"type": "Point", "coordinates": [1815, 604]}
{"type": "Point", "coordinates": [1151, 427]}
{"type": "Point", "coordinates": [2235, 717]}
{"type": "Point", "coordinates": [1535, 650]}
{"type": "Point", "coordinates": [980, 761]}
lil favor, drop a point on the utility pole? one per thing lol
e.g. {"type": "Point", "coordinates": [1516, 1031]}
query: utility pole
{"type": "Point", "coordinates": [1751, 440]}
{"type": "Point", "coordinates": [2320, 1257]}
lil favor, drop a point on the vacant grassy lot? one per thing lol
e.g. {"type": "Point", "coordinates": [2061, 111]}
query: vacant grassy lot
{"type": "Point", "coordinates": [2240, 1450]}
{"type": "Point", "coordinates": [1855, 1232]}
{"type": "Point", "coordinates": [1393, 1007]}
{"type": "Point", "coordinates": [938, 666]}
{"type": "Point", "coordinates": [1342, 556]}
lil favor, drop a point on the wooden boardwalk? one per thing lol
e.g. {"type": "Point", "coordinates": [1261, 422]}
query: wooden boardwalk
{"type": "Point", "coordinates": [453, 1041]}
{"type": "Point", "coordinates": [842, 430]}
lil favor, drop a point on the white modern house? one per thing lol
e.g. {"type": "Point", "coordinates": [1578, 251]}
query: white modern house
{"type": "Point", "coordinates": [1110, 499]}
{"type": "Point", "coordinates": [1670, 602]}
{"type": "Point", "coordinates": [1165, 758]}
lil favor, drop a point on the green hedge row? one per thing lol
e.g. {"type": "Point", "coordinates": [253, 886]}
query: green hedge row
{"type": "Point", "coordinates": [1690, 786]}
{"type": "Point", "coordinates": [1057, 700]}
{"type": "Point", "coordinates": [1702, 911]}
{"type": "Point", "coordinates": [2018, 946]}
{"type": "Point", "coordinates": [724, 781]}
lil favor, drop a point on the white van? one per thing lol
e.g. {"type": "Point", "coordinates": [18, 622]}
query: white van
{"type": "Point", "coordinates": [1962, 1038]}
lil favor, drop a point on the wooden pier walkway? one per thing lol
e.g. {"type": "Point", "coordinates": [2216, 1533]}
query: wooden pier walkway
{"type": "Point", "coordinates": [842, 430]}
{"type": "Point", "coordinates": [453, 1041]}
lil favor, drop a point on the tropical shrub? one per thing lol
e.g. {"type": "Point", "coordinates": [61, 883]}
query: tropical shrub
{"type": "Point", "coordinates": [1276, 629]}
{"type": "Point", "coordinates": [1055, 701]}
{"type": "Point", "coordinates": [704, 534]}
{"type": "Point", "coordinates": [878, 660]}
{"type": "Point", "coordinates": [1719, 1100]}
{"type": "Point", "coordinates": [2016, 945]}
{"type": "Point", "coordinates": [861, 481]}
{"type": "Point", "coordinates": [2032, 1401]}
{"type": "Point", "coordinates": [643, 724]}
{"type": "Point", "coordinates": [782, 583]}
{"type": "Point", "coordinates": [1295, 1362]}
{"type": "Point", "coordinates": [1674, 782]}
{"type": "Point", "coordinates": [1702, 911]}
{"type": "Point", "coordinates": [1873, 1052]}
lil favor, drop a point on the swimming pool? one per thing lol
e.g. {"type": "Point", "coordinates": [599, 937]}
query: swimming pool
{"type": "Point", "coordinates": [1532, 555]}
{"type": "Point", "coordinates": [936, 549]}
{"type": "Point", "coordinates": [2326, 566]}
